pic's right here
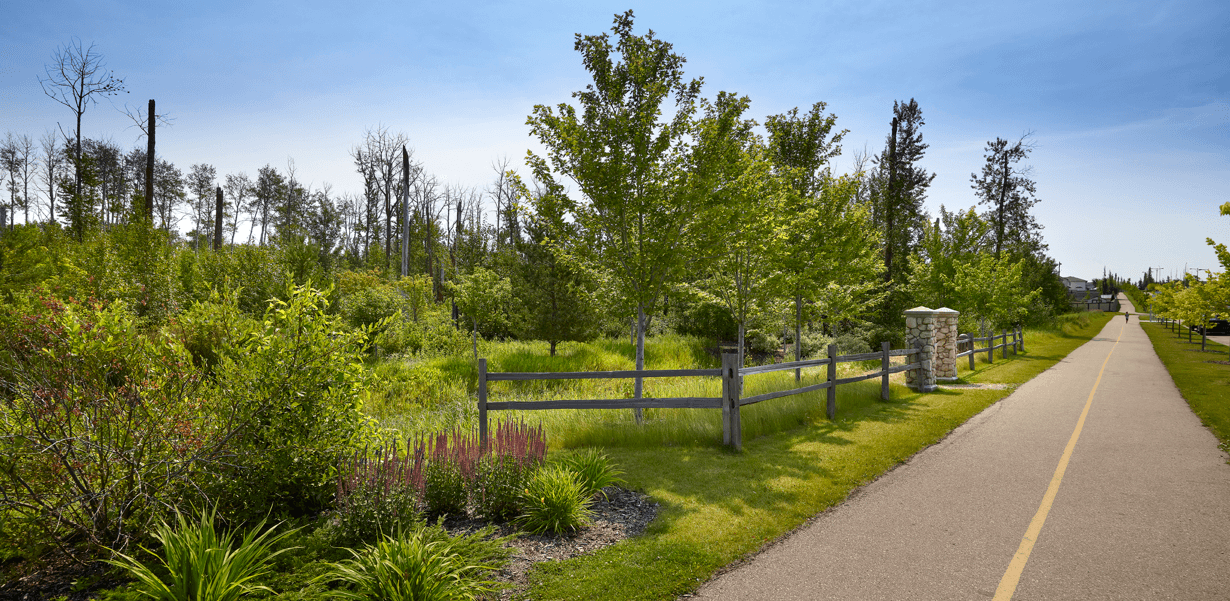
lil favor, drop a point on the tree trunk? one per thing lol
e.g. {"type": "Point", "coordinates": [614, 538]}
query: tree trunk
{"type": "Point", "coordinates": [218, 222]}
{"type": "Point", "coordinates": [149, 165]}
{"type": "Point", "coordinates": [798, 334]}
{"type": "Point", "coordinates": [742, 362]}
{"type": "Point", "coordinates": [1003, 197]}
{"type": "Point", "coordinates": [639, 386]}
{"type": "Point", "coordinates": [553, 343]}
{"type": "Point", "coordinates": [405, 212]}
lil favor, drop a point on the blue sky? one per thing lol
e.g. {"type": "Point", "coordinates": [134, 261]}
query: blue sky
{"type": "Point", "coordinates": [1129, 102]}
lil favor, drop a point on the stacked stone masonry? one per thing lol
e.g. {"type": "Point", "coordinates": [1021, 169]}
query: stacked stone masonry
{"type": "Point", "coordinates": [934, 333]}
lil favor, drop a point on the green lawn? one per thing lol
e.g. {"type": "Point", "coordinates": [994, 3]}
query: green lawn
{"type": "Point", "coordinates": [1202, 382]}
{"type": "Point", "coordinates": [718, 506]}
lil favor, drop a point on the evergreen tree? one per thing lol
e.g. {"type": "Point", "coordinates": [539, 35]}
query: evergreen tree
{"type": "Point", "coordinates": [1005, 187]}
{"type": "Point", "coordinates": [898, 187]}
{"type": "Point", "coordinates": [555, 293]}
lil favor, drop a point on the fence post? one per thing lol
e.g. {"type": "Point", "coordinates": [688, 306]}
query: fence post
{"type": "Point", "coordinates": [1016, 339]}
{"type": "Point", "coordinates": [1003, 348]}
{"type": "Point", "coordinates": [991, 347]}
{"type": "Point", "coordinates": [482, 403]}
{"type": "Point", "coordinates": [732, 433]}
{"type": "Point", "coordinates": [1021, 330]}
{"type": "Point", "coordinates": [831, 406]}
{"type": "Point", "coordinates": [970, 337]}
{"type": "Point", "coordinates": [884, 365]}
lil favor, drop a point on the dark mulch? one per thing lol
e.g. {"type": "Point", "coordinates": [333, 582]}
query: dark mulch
{"type": "Point", "coordinates": [621, 514]}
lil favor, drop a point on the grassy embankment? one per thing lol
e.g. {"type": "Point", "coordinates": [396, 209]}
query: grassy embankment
{"type": "Point", "coordinates": [1203, 382]}
{"type": "Point", "coordinates": [718, 506]}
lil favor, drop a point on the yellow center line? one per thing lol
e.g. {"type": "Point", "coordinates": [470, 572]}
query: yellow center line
{"type": "Point", "coordinates": [1007, 584]}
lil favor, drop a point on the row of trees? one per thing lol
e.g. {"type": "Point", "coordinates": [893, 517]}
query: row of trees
{"type": "Point", "coordinates": [1193, 301]}
{"type": "Point", "coordinates": [629, 213]}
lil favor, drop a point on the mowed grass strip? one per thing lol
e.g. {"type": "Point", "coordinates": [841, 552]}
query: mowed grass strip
{"type": "Point", "coordinates": [1204, 383]}
{"type": "Point", "coordinates": [718, 506]}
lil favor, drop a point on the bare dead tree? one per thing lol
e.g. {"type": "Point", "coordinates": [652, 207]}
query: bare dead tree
{"type": "Point", "coordinates": [50, 169]}
{"type": "Point", "coordinates": [76, 78]}
{"type": "Point", "coordinates": [238, 187]}
{"type": "Point", "coordinates": [147, 121]}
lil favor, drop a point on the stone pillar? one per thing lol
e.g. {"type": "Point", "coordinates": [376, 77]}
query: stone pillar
{"type": "Point", "coordinates": [945, 365]}
{"type": "Point", "coordinates": [920, 333]}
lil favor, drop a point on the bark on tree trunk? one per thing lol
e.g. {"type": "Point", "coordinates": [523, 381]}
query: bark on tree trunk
{"type": "Point", "coordinates": [798, 334]}
{"type": "Point", "coordinates": [149, 165]}
{"type": "Point", "coordinates": [639, 386]}
{"type": "Point", "coordinates": [218, 221]}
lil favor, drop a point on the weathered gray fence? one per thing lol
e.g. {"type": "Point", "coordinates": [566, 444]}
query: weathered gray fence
{"type": "Point", "coordinates": [971, 350]}
{"type": "Point", "coordinates": [730, 402]}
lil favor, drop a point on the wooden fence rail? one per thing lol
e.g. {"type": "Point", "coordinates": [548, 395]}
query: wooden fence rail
{"type": "Point", "coordinates": [968, 341]}
{"type": "Point", "coordinates": [730, 402]}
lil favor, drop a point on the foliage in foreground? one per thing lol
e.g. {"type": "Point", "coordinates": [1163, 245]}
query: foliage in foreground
{"type": "Point", "coordinates": [202, 564]}
{"type": "Point", "coordinates": [410, 568]}
{"type": "Point", "coordinates": [555, 502]}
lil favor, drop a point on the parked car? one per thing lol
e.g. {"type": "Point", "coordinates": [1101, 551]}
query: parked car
{"type": "Point", "coordinates": [1216, 327]}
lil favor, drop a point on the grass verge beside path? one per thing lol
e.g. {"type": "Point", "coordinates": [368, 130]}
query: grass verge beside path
{"type": "Point", "coordinates": [717, 506]}
{"type": "Point", "coordinates": [1205, 385]}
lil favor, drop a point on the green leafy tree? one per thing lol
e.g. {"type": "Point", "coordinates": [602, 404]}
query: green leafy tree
{"type": "Point", "coordinates": [990, 292]}
{"type": "Point", "coordinates": [635, 209]}
{"type": "Point", "coordinates": [962, 236]}
{"type": "Point", "coordinates": [828, 256]}
{"type": "Point", "coordinates": [482, 296]}
{"type": "Point", "coordinates": [749, 203]}
{"type": "Point", "coordinates": [555, 293]}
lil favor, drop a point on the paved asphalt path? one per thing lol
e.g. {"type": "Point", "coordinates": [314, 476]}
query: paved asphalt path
{"type": "Point", "coordinates": [1142, 510]}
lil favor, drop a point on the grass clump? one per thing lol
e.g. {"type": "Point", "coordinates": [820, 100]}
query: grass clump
{"type": "Point", "coordinates": [410, 568]}
{"type": "Point", "coordinates": [201, 564]}
{"type": "Point", "coordinates": [593, 470]}
{"type": "Point", "coordinates": [554, 501]}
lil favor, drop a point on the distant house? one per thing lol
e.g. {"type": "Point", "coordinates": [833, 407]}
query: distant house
{"type": "Point", "coordinates": [1076, 284]}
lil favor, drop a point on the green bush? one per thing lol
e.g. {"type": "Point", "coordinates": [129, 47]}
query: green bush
{"type": "Point", "coordinates": [371, 511]}
{"type": "Point", "coordinates": [102, 424]}
{"type": "Point", "coordinates": [705, 319]}
{"type": "Point", "coordinates": [444, 489]}
{"type": "Point", "coordinates": [498, 485]}
{"type": "Point", "coordinates": [593, 470]}
{"type": "Point", "coordinates": [760, 342]}
{"type": "Point", "coordinates": [410, 568]}
{"type": "Point", "coordinates": [201, 565]}
{"type": "Point", "coordinates": [295, 385]}
{"type": "Point", "coordinates": [554, 501]}
{"type": "Point", "coordinates": [210, 328]}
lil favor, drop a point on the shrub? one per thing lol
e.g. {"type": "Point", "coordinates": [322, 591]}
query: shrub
{"type": "Point", "coordinates": [200, 563]}
{"type": "Point", "coordinates": [515, 451]}
{"type": "Point", "coordinates": [760, 342]}
{"type": "Point", "coordinates": [295, 388]}
{"type": "Point", "coordinates": [209, 328]}
{"type": "Point", "coordinates": [452, 461]}
{"type": "Point", "coordinates": [554, 501]}
{"type": "Point", "coordinates": [103, 424]}
{"type": "Point", "coordinates": [410, 568]}
{"type": "Point", "coordinates": [378, 494]}
{"type": "Point", "coordinates": [593, 470]}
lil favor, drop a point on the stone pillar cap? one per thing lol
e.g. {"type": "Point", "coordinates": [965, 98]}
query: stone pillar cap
{"type": "Point", "coordinates": [948, 311]}
{"type": "Point", "coordinates": [920, 311]}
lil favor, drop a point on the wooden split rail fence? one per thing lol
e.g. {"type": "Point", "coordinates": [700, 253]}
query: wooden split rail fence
{"type": "Point", "coordinates": [968, 341]}
{"type": "Point", "coordinates": [730, 402]}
